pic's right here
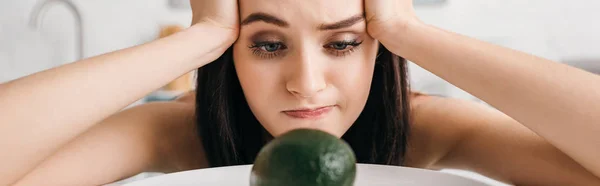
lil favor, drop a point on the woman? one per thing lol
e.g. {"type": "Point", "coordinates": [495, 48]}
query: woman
{"type": "Point", "coordinates": [302, 64]}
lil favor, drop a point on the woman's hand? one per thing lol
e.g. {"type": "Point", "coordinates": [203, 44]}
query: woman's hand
{"type": "Point", "coordinates": [385, 17]}
{"type": "Point", "coordinates": [220, 14]}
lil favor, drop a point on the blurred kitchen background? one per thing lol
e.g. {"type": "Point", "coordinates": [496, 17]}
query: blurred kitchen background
{"type": "Point", "coordinates": [563, 31]}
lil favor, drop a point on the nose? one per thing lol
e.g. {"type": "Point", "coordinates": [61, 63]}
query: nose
{"type": "Point", "coordinates": [306, 78]}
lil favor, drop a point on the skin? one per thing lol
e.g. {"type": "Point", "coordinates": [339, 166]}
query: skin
{"type": "Point", "coordinates": [556, 101]}
{"type": "Point", "coordinates": [303, 68]}
{"type": "Point", "coordinates": [60, 115]}
{"type": "Point", "coordinates": [514, 144]}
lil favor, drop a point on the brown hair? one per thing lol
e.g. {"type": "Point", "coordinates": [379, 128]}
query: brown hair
{"type": "Point", "coordinates": [231, 135]}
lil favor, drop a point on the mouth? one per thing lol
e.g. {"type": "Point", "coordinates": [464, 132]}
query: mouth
{"type": "Point", "coordinates": [309, 113]}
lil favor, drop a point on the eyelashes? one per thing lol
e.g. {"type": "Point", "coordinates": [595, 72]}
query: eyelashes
{"type": "Point", "coordinates": [343, 48]}
{"type": "Point", "coordinates": [273, 49]}
{"type": "Point", "coordinates": [267, 49]}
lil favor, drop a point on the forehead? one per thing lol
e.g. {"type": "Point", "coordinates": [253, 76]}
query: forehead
{"type": "Point", "coordinates": [317, 11]}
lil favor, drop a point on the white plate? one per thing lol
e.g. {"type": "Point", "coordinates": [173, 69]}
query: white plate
{"type": "Point", "coordinates": [367, 175]}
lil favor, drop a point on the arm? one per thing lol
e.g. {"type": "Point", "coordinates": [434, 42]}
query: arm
{"type": "Point", "coordinates": [44, 111]}
{"type": "Point", "coordinates": [558, 102]}
{"type": "Point", "coordinates": [148, 137]}
{"type": "Point", "coordinates": [460, 134]}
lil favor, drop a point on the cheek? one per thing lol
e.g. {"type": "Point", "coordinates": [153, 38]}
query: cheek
{"type": "Point", "coordinates": [353, 78]}
{"type": "Point", "coordinates": [353, 82]}
{"type": "Point", "coordinates": [258, 81]}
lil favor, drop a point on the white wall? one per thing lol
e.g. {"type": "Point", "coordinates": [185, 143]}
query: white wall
{"type": "Point", "coordinates": [555, 29]}
{"type": "Point", "coordinates": [552, 28]}
{"type": "Point", "coordinates": [108, 25]}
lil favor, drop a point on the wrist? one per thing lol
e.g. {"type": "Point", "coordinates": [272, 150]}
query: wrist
{"type": "Point", "coordinates": [393, 29]}
{"type": "Point", "coordinates": [397, 34]}
{"type": "Point", "coordinates": [207, 42]}
{"type": "Point", "coordinates": [229, 34]}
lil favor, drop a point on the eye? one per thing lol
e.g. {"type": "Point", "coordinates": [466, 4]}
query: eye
{"type": "Point", "coordinates": [339, 46]}
{"type": "Point", "coordinates": [267, 49]}
{"type": "Point", "coordinates": [342, 48]}
{"type": "Point", "coordinates": [271, 47]}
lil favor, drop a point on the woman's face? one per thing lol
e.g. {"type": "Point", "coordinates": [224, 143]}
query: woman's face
{"type": "Point", "coordinates": [304, 63]}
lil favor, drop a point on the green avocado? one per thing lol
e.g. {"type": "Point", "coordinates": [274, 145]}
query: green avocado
{"type": "Point", "coordinates": [304, 157]}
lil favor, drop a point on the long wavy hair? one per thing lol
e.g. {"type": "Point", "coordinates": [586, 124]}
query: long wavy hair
{"type": "Point", "coordinates": [231, 135]}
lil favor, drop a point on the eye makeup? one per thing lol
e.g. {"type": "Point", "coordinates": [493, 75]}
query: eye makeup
{"type": "Point", "coordinates": [343, 45]}
{"type": "Point", "coordinates": [272, 44]}
{"type": "Point", "coordinates": [267, 44]}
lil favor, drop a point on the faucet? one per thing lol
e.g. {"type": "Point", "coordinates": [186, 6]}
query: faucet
{"type": "Point", "coordinates": [42, 7]}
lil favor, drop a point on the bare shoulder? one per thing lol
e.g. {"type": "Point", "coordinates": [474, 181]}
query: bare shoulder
{"type": "Point", "coordinates": [186, 151]}
{"type": "Point", "coordinates": [179, 145]}
{"type": "Point", "coordinates": [438, 126]}
{"type": "Point", "coordinates": [462, 134]}
{"type": "Point", "coordinates": [174, 135]}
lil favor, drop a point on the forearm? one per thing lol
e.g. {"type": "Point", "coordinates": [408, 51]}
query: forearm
{"type": "Point", "coordinates": [41, 112]}
{"type": "Point", "coordinates": [558, 102]}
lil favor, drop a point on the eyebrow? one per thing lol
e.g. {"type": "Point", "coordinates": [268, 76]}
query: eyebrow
{"type": "Point", "coordinates": [343, 23]}
{"type": "Point", "coordinates": [259, 16]}
{"type": "Point", "coordinates": [267, 18]}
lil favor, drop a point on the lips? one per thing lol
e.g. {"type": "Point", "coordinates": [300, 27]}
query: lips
{"type": "Point", "coordinates": [309, 113]}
